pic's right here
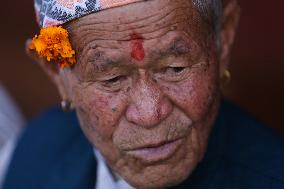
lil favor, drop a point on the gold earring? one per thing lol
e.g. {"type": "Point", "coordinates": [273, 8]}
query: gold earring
{"type": "Point", "coordinates": [67, 105]}
{"type": "Point", "coordinates": [226, 77]}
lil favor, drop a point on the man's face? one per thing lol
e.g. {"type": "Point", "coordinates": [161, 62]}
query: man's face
{"type": "Point", "coordinates": [146, 88]}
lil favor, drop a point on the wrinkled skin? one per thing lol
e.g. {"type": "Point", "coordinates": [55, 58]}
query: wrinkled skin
{"type": "Point", "coordinates": [171, 92]}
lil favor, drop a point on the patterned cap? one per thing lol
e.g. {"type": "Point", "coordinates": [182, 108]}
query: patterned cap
{"type": "Point", "coordinates": [57, 12]}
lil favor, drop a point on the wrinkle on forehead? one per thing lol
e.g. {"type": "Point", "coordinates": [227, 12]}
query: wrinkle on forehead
{"type": "Point", "coordinates": [118, 23]}
{"type": "Point", "coordinates": [148, 27]}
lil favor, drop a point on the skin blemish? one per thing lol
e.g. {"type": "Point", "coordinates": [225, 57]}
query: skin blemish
{"type": "Point", "coordinates": [137, 51]}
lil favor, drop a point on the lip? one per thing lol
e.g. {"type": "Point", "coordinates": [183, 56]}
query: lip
{"type": "Point", "coordinates": [156, 152]}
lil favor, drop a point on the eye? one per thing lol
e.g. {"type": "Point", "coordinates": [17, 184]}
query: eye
{"type": "Point", "coordinates": [113, 83]}
{"type": "Point", "coordinates": [174, 70]}
{"type": "Point", "coordinates": [173, 73]}
{"type": "Point", "coordinates": [113, 80]}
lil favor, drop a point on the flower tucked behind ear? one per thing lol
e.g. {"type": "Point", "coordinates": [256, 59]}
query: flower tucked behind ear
{"type": "Point", "coordinates": [54, 45]}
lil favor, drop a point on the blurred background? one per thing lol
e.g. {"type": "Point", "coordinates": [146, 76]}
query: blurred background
{"type": "Point", "coordinates": [257, 65]}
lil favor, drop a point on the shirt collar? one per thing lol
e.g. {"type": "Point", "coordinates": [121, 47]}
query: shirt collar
{"type": "Point", "coordinates": [105, 178]}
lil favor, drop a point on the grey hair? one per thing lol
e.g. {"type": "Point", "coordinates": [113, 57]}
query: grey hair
{"type": "Point", "coordinates": [211, 11]}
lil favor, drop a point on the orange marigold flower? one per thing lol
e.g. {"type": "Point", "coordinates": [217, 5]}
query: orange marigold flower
{"type": "Point", "coordinates": [53, 44]}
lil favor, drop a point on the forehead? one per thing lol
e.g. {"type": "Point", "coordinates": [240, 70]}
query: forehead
{"type": "Point", "coordinates": [161, 23]}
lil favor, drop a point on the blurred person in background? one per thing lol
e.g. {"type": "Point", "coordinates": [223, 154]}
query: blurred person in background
{"type": "Point", "coordinates": [144, 79]}
{"type": "Point", "coordinates": [11, 118]}
{"type": "Point", "coordinates": [11, 123]}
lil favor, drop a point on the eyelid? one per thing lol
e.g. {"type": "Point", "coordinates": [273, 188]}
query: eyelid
{"type": "Point", "coordinates": [109, 77]}
{"type": "Point", "coordinates": [112, 73]}
{"type": "Point", "coordinates": [115, 86]}
{"type": "Point", "coordinates": [173, 62]}
{"type": "Point", "coordinates": [174, 77]}
{"type": "Point", "coordinates": [176, 65]}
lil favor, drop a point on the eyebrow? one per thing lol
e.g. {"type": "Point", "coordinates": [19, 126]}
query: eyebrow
{"type": "Point", "coordinates": [178, 46]}
{"type": "Point", "coordinates": [101, 62]}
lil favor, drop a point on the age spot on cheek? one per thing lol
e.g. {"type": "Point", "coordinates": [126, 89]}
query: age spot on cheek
{"type": "Point", "coordinates": [137, 51]}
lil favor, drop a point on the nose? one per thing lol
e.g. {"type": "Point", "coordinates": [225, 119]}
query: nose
{"type": "Point", "coordinates": [149, 106]}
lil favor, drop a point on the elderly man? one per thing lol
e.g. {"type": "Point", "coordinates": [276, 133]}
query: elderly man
{"type": "Point", "coordinates": [145, 86]}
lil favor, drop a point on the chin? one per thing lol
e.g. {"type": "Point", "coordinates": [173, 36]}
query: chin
{"type": "Point", "coordinates": [162, 183]}
{"type": "Point", "coordinates": [161, 176]}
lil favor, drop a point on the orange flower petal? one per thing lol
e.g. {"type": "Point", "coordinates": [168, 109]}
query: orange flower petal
{"type": "Point", "coordinates": [53, 44]}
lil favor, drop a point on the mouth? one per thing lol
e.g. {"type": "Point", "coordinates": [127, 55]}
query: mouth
{"type": "Point", "coordinates": [156, 152]}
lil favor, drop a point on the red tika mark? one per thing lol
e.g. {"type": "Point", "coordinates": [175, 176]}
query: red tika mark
{"type": "Point", "coordinates": [137, 52]}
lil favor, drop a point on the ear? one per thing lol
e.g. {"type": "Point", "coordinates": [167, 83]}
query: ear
{"type": "Point", "coordinates": [230, 21]}
{"type": "Point", "coordinates": [50, 68]}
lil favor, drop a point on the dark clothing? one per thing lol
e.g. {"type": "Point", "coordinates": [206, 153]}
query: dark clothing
{"type": "Point", "coordinates": [242, 154]}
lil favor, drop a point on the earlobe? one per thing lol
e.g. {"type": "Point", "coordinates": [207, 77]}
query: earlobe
{"type": "Point", "coordinates": [229, 26]}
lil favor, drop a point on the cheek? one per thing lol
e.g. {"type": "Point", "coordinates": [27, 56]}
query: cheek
{"type": "Point", "coordinates": [196, 94]}
{"type": "Point", "coordinates": [100, 112]}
